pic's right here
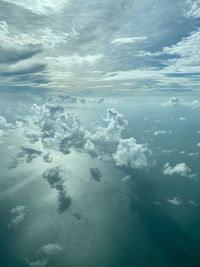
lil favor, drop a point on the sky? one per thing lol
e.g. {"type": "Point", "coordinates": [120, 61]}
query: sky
{"type": "Point", "coordinates": [126, 46]}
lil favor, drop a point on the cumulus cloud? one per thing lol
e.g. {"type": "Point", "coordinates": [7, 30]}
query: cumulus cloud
{"type": "Point", "coordinates": [175, 201]}
{"type": "Point", "coordinates": [19, 214]}
{"type": "Point", "coordinates": [57, 130]}
{"type": "Point", "coordinates": [162, 132]}
{"type": "Point", "coordinates": [126, 178]}
{"type": "Point", "coordinates": [180, 169]}
{"type": "Point", "coordinates": [4, 126]}
{"type": "Point", "coordinates": [131, 154]}
{"type": "Point", "coordinates": [55, 179]}
{"type": "Point", "coordinates": [168, 151]}
{"type": "Point", "coordinates": [116, 123]}
{"type": "Point", "coordinates": [174, 101]}
{"type": "Point", "coordinates": [182, 119]}
{"type": "Point", "coordinates": [44, 254]}
{"type": "Point", "coordinates": [192, 154]}
{"type": "Point", "coordinates": [90, 148]}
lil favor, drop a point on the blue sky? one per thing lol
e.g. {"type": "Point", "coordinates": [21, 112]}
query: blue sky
{"type": "Point", "coordinates": [102, 46]}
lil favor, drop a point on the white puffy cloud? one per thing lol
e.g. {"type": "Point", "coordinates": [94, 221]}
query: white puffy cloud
{"type": "Point", "coordinates": [168, 151]}
{"type": "Point", "coordinates": [182, 119]}
{"type": "Point", "coordinates": [116, 123]}
{"type": "Point", "coordinates": [162, 132]}
{"type": "Point", "coordinates": [126, 178]}
{"type": "Point", "coordinates": [128, 40]}
{"type": "Point", "coordinates": [4, 126]}
{"type": "Point", "coordinates": [90, 148]}
{"type": "Point", "coordinates": [192, 154]}
{"type": "Point", "coordinates": [44, 254]}
{"type": "Point", "coordinates": [181, 169]}
{"type": "Point", "coordinates": [173, 101]}
{"type": "Point", "coordinates": [55, 129]}
{"type": "Point", "coordinates": [131, 154]}
{"type": "Point", "coordinates": [175, 201]}
{"type": "Point", "coordinates": [19, 214]}
{"type": "Point", "coordinates": [50, 249]}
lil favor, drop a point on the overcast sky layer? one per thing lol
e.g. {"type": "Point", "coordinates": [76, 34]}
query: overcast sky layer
{"type": "Point", "coordinates": [124, 45]}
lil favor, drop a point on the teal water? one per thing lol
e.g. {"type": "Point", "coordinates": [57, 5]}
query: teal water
{"type": "Point", "coordinates": [109, 223]}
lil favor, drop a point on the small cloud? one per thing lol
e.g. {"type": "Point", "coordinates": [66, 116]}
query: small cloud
{"type": "Point", "coordinates": [126, 178]}
{"type": "Point", "coordinates": [162, 132]}
{"type": "Point", "coordinates": [49, 249]}
{"type": "Point", "coordinates": [19, 214]}
{"type": "Point", "coordinates": [193, 203]}
{"type": "Point", "coordinates": [168, 151]}
{"type": "Point", "coordinates": [44, 254]}
{"type": "Point", "coordinates": [174, 101]}
{"type": "Point", "coordinates": [192, 154]}
{"type": "Point", "coordinates": [181, 169]}
{"type": "Point", "coordinates": [175, 201]}
{"type": "Point", "coordinates": [182, 119]}
{"type": "Point", "coordinates": [90, 148]}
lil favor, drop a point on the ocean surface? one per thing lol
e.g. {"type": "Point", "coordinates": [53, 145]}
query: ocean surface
{"type": "Point", "coordinates": [147, 219]}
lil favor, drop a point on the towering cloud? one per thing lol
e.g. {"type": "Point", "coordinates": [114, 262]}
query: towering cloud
{"type": "Point", "coordinates": [131, 154]}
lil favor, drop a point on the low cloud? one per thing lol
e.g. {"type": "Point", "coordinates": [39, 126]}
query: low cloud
{"type": "Point", "coordinates": [175, 201]}
{"type": "Point", "coordinates": [4, 126]}
{"type": "Point", "coordinates": [131, 154]}
{"type": "Point", "coordinates": [162, 132]}
{"type": "Point", "coordinates": [180, 169]}
{"type": "Point", "coordinates": [57, 130]}
{"type": "Point", "coordinates": [44, 254]}
{"type": "Point", "coordinates": [116, 123]}
{"type": "Point", "coordinates": [173, 101]}
{"type": "Point", "coordinates": [19, 214]}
